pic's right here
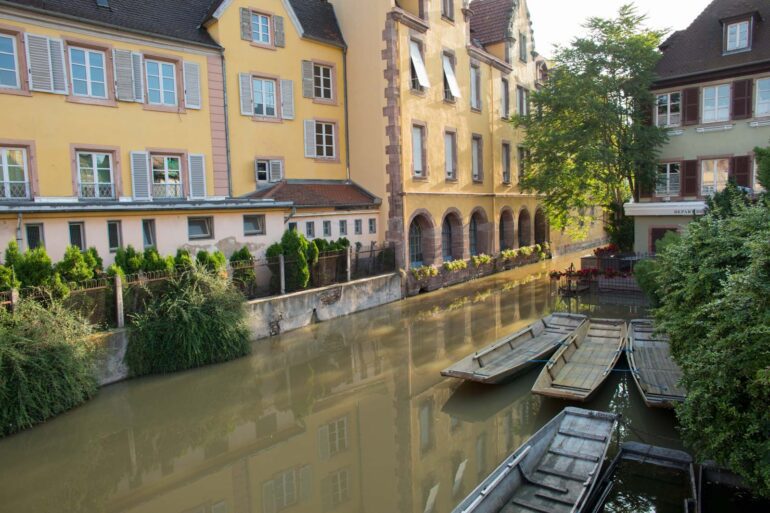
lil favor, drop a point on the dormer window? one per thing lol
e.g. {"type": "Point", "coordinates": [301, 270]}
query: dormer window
{"type": "Point", "coordinates": [738, 36]}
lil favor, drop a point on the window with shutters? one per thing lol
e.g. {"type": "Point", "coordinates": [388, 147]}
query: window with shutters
{"type": "Point", "coordinates": [325, 140]}
{"type": "Point", "coordinates": [716, 103]}
{"type": "Point", "coordinates": [114, 235]}
{"type": "Point", "coordinates": [417, 72]}
{"type": "Point", "coordinates": [95, 175]}
{"type": "Point", "coordinates": [14, 178]}
{"type": "Point", "coordinates": [669, 180]}
{"type": "Point", "coordinates": [763, 97]}
{"type": "Point", "coordinates": [475, 87]}
{"type": "Point", "coordinates": [450, 155]}
{"type": "Point", "coordinates": [506, 156]}
{"type": "Point", "coordinates": [714, 175]}
{"type": "Point", "coordinates": [35, 235]}
{"type": "Point", "coordinates": [161, 83]}
{"type": "Point", "coordinates": [253, 225]}
{"type": "Point", "coordinates": [738, 36]}
{"type": "Point", "coordinates": [669, 110]}
{"type": "Point", "coordinates": [148, 233]}
{"type": "Point", "coordinates": [358, 227]}
{"type": "Point", "coordinates": [327, 226]}
{"type": "Point", "coordinates": [260, 28]}
{"type": "Point", "coordinates": [323, 84]}
{"type": "Point", "coordinates": [477, 166]}
{"type": "Point", "coordinates": [372, 225]}
{"type": "Point", "coordinates": [264, 91]}
{"type": "Point", "coordinates": [337, 488]}
{"type": "Point", "coordinates": [418, 151]}
{"type": "Point", "coordinates": [263, 171]}
{"type": "Point", "coordinates": [200, 228]}
{"type": "Point", "coordinates": [77, 233]}
{"type": "Point", "coordinates": [451, 86]}
{"type": "Point", "coordinates": [166, 176]}
{"type": "Point", "coordinates": [343, 228]}
{"type": "Point", "coordinates": [88, 72]}
{"type": "Point", "coordinates": [9, 62]}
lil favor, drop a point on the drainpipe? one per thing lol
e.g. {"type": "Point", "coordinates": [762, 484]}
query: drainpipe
{"type": "Point", "coordinates": [227, 126]}
{"type": "Point", "coordinates": [19, 238]}
{"type": "Point", "coordinates": [347, 111]}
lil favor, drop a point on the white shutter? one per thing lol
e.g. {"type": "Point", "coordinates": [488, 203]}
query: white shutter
{"type": "Point", "coordinates": [310, 138]}
{"type": "Point", "coordinates": [124, 75]}
{"type": "Point", "coordinates": [58, 66]}
{"type": "Point", "coordinates": [287, 99]}
{"type": "Point", "coordinates": [323, 442]}
{"type": "Point", "coordinates": [140, 175]}
{"type": "Point", "coordinates": [247, 101]}
{"type": "Point", "coordinates": [138, 74]}
{"type": "Point", "coordinates": [192, 85]}
{"type": "Point", "coordinates": [268, 497]}
{"type": "Point", "coordinates": [419, 65]}
{"type": "Point", "coordinates": [305, 482]}
{"type": "Point", "coordinates": [307, 79]}
{"type": "Point", "coordinates": [246, 24]}
{"type": "Point", "coordinates": [280, 35]}
{"type": "Point", "coordinates": [197, 168]}
{"type": "Point", "coordinates": [451, 79]}
{"type": "Point", "coordinates": [276, 170]}
{"type": "Point", "coordinates": [39, 63]}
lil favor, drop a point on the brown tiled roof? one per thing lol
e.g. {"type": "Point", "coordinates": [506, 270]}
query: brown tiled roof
{"type": "Point", "coordinates": [490, 20]}
{"type": "Point", "coordinates": [334, 194]}
{"type": "Point", "coordinates": [698, 49]}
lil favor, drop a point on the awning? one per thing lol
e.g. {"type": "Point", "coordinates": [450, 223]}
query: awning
{"type": "Point", "coordinates": [419, 65]}
{"type": "Point", "coordinates": [451, 79]}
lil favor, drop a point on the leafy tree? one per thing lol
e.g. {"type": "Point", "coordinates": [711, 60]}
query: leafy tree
{"type": "Point", "coordinates": [12, 254]}
{"type": "Point", "coordinates": [714, 288]}
{"type": "Point", "coordinates": [154, 262]}
{"type": "Point", "coordinates": [590, 140]}
{"type": "Point", "coordinates": [93, 260]}
{"type": "Point", "coordinates": [183, 260]}
{"type": "Point", "coordinates": [34, 268]}
{"type": "Point", "coordinates": [215, 261]}
{"type": "Point", "coordinates": [73, 267]}
{"type": "Point", "coordinates": [296, 249]}
{"type": "Point", "coordinates": [763, 164]}
{"type": "Point", "coordinates": [8, 279]}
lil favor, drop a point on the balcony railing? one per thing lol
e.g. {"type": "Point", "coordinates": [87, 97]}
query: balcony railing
{"type": "Point", "coordinates": [14, 190]}
{"type": "Point", "coordinates": [97, 191]}
{"type": "Point", "coordinates": [167, 190]}
{"type": "Point", "coordinates": [668, 187]}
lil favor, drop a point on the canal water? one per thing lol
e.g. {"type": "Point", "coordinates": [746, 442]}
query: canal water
{"type": "Point", "coordinates": [346, 416]}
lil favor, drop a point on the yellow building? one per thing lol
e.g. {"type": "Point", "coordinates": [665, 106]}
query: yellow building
{"type": "Point", "coordinates": [435, 82]}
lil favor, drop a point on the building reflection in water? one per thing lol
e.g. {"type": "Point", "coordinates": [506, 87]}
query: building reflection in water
{"type": "Point", "coordinates": [346, 416]}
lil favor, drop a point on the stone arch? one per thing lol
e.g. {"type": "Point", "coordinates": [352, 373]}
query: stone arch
{"type": "Point", "coordinates": [452, 246]}
{"type": "Point", "coordinates": [479, 232]}
{"type": "Point", "coordinates": [541, 227]}
{"type": "Point", "coordinates": [421, 239]}
{"type": "Point", "coordinates": [525, 228]}
{"type": "Point", "coordinates": [506, 229]}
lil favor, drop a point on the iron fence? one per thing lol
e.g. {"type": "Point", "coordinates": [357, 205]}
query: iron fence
{"type": "Point", "coordinates": [373, 262]}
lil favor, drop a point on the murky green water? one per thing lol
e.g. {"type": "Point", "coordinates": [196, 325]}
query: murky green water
{"type": "Point", "coordinates": [346, 416]}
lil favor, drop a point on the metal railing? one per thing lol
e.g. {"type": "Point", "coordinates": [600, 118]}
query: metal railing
{"type": "Point", "coordinates": [97, 191]}
{"type": "Point", "coordinates": [167, 190]}
{"type": "Point", "coordinates": [14, 190]}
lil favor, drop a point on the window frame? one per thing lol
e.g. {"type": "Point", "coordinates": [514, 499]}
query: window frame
{"type": "Point", "coordinates": [258, 231]}
{"type": "Point", "coordinates": [449, 59]}
{"type": "Point", "coordinates": [88, 65]}
{"type": "Point", "coordinates": [15, 53]}
{"type": "Point", "coordinates": [475, 85]}
{"type": "Point", "coordinates": [669, 103]}
{"type": "Point", "coordinates": [748, 22]}
{"type": "Point", "coordinates": [208, 222]}
{"type": "Point", "coordinates": [477, 160]}
{"type": "Point", "coordinates": [452, 135]}
{"type": "Point", "coordinates": [668, 193]}
{"type": "Point", "coordinates": [505, 98]}
{"type": "Point", "coordinates": [310, 230]}
{"type": "Point", "coordinates": [41, 234]}
{"type": "Point", "coordinates": [358, 227]}
{"type": "Point", "coordinates": [150, 223]}
{"type": "Point", "coordinates": [448, 10]}
{"type": "Point", "coordinates": [326, 227]}
{"type": "Point", "coordinates": [343, 226]}
{"type": "Point", "coordinates": [523, 47]}
{"type": "Point", "coordinates": [333, 124]}
{"type": "Point", "coordinates": [716, 109]}
{"type": "Point", "coordinates": [166, 184]}
{"type": "Point", "coordinates": [332, 98]}
{"type": "Point", "coordinates": [757, 102]}
{"type": "Point", "coordinates": [505, 155]}
{"type": "Point", "coordinates": [82, 227]}
{"type": "Point", "coordinates": [161, 63]}
{"type": "Point", "coordinates": [270, 28]}
{"type": "Point", "coordinates": [522, 101]}
{"type": "Point", "coordinates": [94, 154]}
{"type": "Point", "coordinates": [118, 225]}
{"type": "Point", "coordinates": [416, 84]}
{"type": "Point", "coordinates": [372, 225]}
{"type": "Point", "coordinates": [422, 173]}
{"type": "Point", "coordinates": [716, 184]}
{"type": "Point", "coordinates": [276, 97]}
{"type": "Point", "coordinates": [522, 155]}
{"type": "Point", "coordinates": [6, 182]}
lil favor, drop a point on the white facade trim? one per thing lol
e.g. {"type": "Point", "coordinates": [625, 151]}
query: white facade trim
{"type": "Point", "coordinates": [677, 208]}
{"type": "Point", "coordinates": [757, 124]}
{"type": "Point", "coordinates": [720, 128]}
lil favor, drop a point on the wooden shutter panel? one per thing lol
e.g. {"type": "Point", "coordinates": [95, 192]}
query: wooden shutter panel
{"type": "Point", "coordinates": [246, 24]}
{"type": "Point", "coordinates": [287, 99]}
{"type": "Point", "coordinates": [197, 168]}
{"type": "Point", "coordinates": [742, 99]}
{"type": "Point", "coordinates": [742, 171]}
{"type": "Point", "coordinates": [276, 170]}
{"type": "Point", "coordinates": [247, 100]}
{"type": "Point", "coordinates": [691, 102]}
{"type": "Point", "coordinates": [140, 175]}
{"type": "Point", "coordinates": [138, 76]}
{"type": "Point", "coordinates": [39, 62]}
{"type": "Point", "coordinates": [192, 85]}
{"type": "Point", "coordinates": [690, 178]}
{"type": "Point", "coordinates": [58, 68]}
{"type": "Point", "coordinates": [307, 79]}
{"type": "Point", "coordinates": [310, 138]}
{"type": "Point", "coordinates": [124, 75]}
{"type": "Point", "coordinates": [280, 34]}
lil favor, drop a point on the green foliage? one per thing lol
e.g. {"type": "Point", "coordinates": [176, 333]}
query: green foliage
{"type": "Point", "coordinates": [198, 319]}
{"type": "Point", "coordinates": [591, 142]}
{"type": "Point", "coordinates": [312, 253]}
{"type": "Point", "coordinates": [115, 270]}
{"type": "Point", "coordinates": [526, 251]}
{"type": "Point", "coordinates": [325, 246]}
{"type": "Point", "coordinates": [295, 248]}
{"type": "Point", "coordinates": [244, 276]}
{"type": "Point", "coordinates": [215, 261]}
{"type": "Point", "coordinates": [455, 265]}
{"type": "Point", "coordinates": [424, 272]}
{"type": "Point", "coordinates": [129, 259]}
{"type": "Point", "coordinates": [763, 166]}
{"type": "Point", "coordinates": [8, 279]}
{"type": "Point", "coordinates": [183, 261]}
{"type": "Point", "coordinates": [714, 286]}
{"type": "Point", "coordinates": [12, 254]}
{"type": "Point", "coordinates": [73, 267]}
{"type": "Point", "coordinates": [645, 273]}
{"type": "Point", "coordinates": [727, 202]}
{"type": "Point", "coordinates": [482, 259]}
{"type": "Point", "coordinates": [509, 255]}
{"type": "Point", "coordinates": [34, 268]}
{"type": "Point", "coordinates": [153, 262]}
{"type": "Point", "coordinates": [46, 364]}
{"type": "Point", "coordinates": [93, 260]}
{"type": "Point", "coordinates": [621, 230]}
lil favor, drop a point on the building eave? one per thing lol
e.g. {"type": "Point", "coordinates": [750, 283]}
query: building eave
{"type": "Point", "coordinates": [666, 208]}
{"type": "Point", "coordinates": [136, 206]}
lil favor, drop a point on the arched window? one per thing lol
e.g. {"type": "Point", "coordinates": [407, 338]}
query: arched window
{"type": "Point", "coordinates": [474, 236]}
{"type": "Point", "coordinates": [525, 229]}
{"type": "Point", "coordinates": [446, 240]}
{"type": "Point", "coordinates": [415, 245]}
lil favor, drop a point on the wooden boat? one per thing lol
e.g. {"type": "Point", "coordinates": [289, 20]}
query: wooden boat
{"type": "Point", "coordinates": [553, 472]}
{"type": "Point", "coordinates": [655, 373]}
{"type": "Point", "coordinates": [576, 370]}
{"type": "Point", "coordinates": [518, 352]}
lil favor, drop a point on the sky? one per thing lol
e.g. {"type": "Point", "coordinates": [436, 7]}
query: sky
{"type": "Point", "coordinates": [559, 21]}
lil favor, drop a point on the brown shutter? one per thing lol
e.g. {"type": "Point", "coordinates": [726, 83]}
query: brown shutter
{"type": "Point", "coordinates": [742, 171]}
{"type": "Point", "coordinates": [742, 90]}
{"type": "Point", "coordinates": [691, 102]}
{"type": "Point", "coordinates": [690, 178]}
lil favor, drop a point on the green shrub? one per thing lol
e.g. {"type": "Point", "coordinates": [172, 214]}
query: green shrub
{"type": "Point", "coordinates": [94, 261]}
{"type": "Point", "coordinates": [198, 319]}
{"type": "Point", "coordinates": [424, 272]}
{"type": "Point", "coordinates": [482, 259]}
{"type": "Point", "coordinates": [509, 254]}
{"type": "Point", "coordinates": [73, 267]}
{"type": "Point", "coordinates": [526, 251]}
{"type": "Point", "coordinates": [244, 276]}
{"type": "Point", "coordinates": [294, 247]}
{"type": "Point", "coordinates": [12, 254]}
{"type": "Point", "coordinates": [115, 270]}
{"type": "Point", "coordinates": [153, 262]}
{"type": "Point", "coordinates": [183, 261]}
{"type": "Point", "coordinates": [46, 364]}
{"type": "Point", "coordinates": [763, 167]}
{"type": "Point", "coordinates": [645, 274]}
{"type": "Point", "coordinates": [455, 265]}
{"type": "Point", "coordinates": [34, 268]}
{"type": "Point", "coordinates": [8, 279]}
{"type": "Point", "coordinates": [215, 261]}
{"type": "Point", "coordinates": [129, 259]}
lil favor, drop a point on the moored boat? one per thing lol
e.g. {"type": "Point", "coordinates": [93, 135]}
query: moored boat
{"type": "Point", "coordinates": [518, 352]}
{"type": "Point", "coordinates": [553, 472]}
{"type": "Point", "coordinates": [577, 370]}
{"type": "Point", "coordinates": [655, 373]}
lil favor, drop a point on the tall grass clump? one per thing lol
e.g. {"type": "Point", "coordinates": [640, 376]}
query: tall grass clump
{"type": "Point", "coordinates": [46, 364]}
{"type": "Point", "coordinates": [199, 319]}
